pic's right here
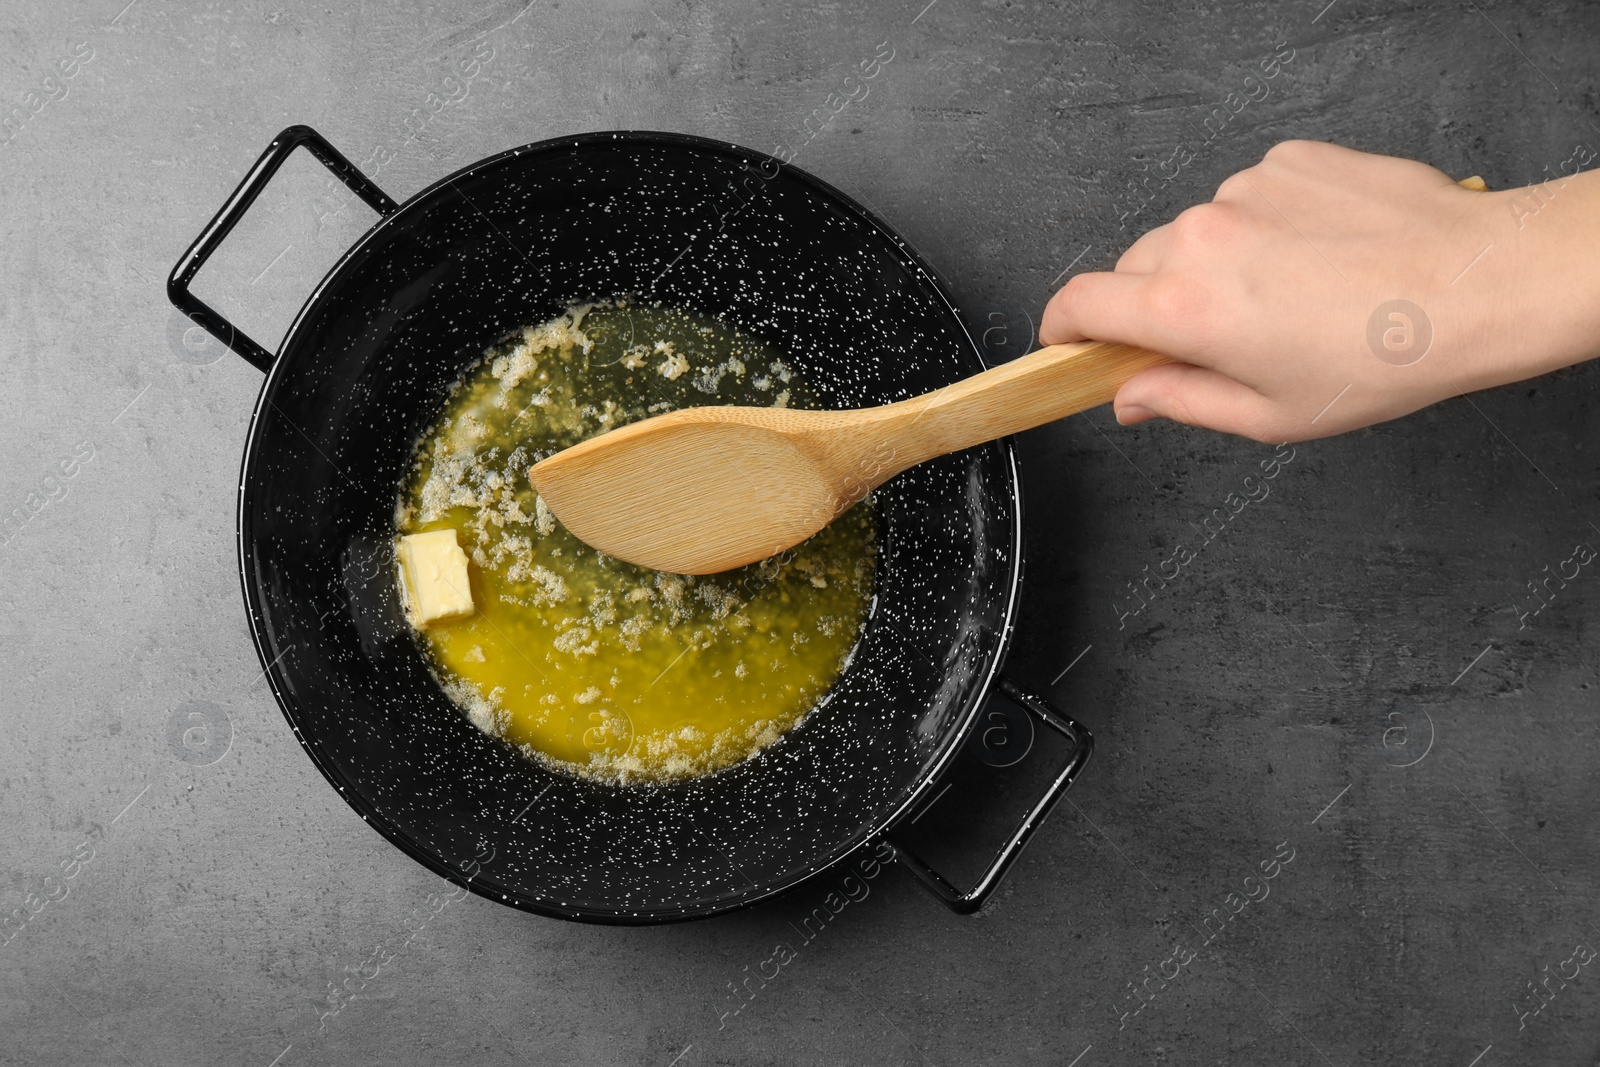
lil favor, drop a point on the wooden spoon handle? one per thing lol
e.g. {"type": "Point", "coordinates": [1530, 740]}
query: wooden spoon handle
{"type": "Point", "coordinates": [1034, 389]}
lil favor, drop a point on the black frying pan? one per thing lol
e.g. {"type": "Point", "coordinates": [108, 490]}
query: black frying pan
{"type": "Point", "coordinates": [511, 241]}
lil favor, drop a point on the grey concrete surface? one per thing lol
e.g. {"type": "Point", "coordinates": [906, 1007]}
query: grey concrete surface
{"type": "Point", "coordinates": [1342, 676]}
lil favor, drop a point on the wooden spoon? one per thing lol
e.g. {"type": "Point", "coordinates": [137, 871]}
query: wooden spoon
{"type": "Point", "coordinates": [708, 489]}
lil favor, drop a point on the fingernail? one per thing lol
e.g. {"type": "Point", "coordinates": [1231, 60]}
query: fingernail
{"type": "Point", "coordinates": [1133, 414]}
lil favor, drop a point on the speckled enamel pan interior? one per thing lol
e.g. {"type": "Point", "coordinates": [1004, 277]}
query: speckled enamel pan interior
{"type": "Point", "coordinates": [512, 241]}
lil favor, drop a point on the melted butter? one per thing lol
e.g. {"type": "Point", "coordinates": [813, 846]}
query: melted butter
{"type": "Point", "coordinates": [586, 662]}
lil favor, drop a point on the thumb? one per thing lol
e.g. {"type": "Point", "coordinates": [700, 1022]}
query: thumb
{"type": "Point", "coordinates": [1195, 396]}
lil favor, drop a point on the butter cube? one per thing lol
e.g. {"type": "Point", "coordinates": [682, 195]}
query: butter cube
{"type": "Point", "coordinates": [433, 571]}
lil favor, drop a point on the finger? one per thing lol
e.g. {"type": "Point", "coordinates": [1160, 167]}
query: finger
{"type": "Point", "coordinates": [1097, 306]}
{"type": "Point", "coordinates": [1146, 254]}
{"type": "Point", "coordinates": [1196, 396]}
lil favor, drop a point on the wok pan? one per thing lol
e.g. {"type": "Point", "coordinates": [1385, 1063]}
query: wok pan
{"type": "Point", "coordinates": [511, 241]}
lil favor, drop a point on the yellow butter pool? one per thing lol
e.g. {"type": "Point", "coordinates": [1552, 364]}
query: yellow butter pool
{"type": "Point", "coordinates": [594, 665]}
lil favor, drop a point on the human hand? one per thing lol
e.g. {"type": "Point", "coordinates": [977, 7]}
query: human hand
{"type": "Point", "coordinates": [1266, 294]}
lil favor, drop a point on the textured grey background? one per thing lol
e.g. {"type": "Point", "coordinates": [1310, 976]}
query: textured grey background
{"type": "Point", "coordinates": [1361, 618]}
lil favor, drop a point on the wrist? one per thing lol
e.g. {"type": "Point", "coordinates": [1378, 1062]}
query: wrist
{"type": "Point", "coordinates": [1531, 304]}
